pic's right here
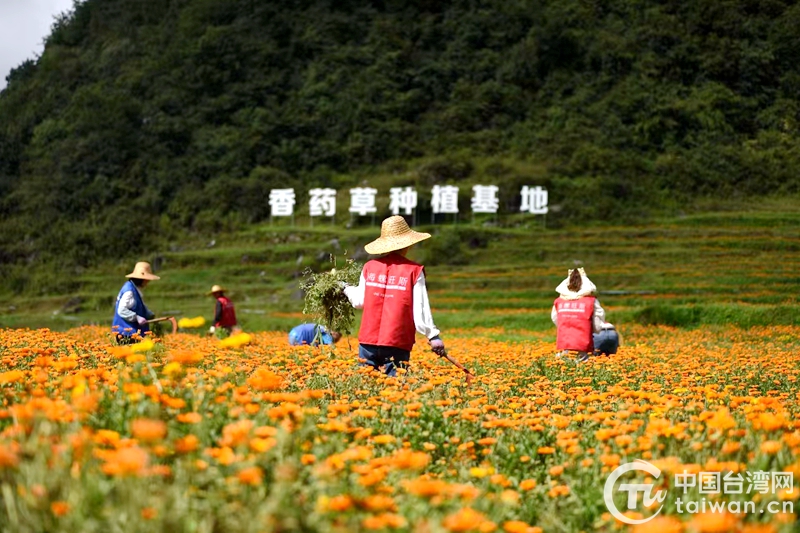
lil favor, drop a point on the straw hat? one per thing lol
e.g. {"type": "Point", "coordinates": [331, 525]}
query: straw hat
{"type": "Point", "coordinates": [395, 235]}
{"type": "Point", "coordinates": [142, 270]}
{"type": "Point", "coordinates": [587, 287]}
{"type": "Point", "coordinates": [217, 288]}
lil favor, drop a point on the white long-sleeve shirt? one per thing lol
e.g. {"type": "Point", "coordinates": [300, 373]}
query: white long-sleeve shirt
{"type": "Point", "coordinates": [423, 318]}
{"type": "Point", "coordinates": [598, 316]}
{"type": "Point", "coordinates": [126, 304]}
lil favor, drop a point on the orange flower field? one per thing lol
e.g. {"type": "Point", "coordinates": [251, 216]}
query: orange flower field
{"type": "Point", "coordinates": [186, 433]}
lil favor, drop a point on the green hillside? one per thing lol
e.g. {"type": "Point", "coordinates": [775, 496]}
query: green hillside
{"type": "Point", "coordinates": [147, 122]}
{"type": "Point", "coordinates": [736, 268]}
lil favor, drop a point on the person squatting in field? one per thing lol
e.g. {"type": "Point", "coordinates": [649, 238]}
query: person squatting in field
{"type": "Point", "coordinates": [312, 335]}
{"type": "Point", "coordinates": [130, 313]}
{"type": "Point", "coordinates": [224, 312]}
{"type": "Point", "coordinates": [606, 342]}
{"type": "Point", "coordinates": [392, 292]}
{"type": "Point", "coordinates": [578, 316]}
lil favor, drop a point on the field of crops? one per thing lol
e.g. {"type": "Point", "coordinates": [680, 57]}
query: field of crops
{"type": "Point", "coordinates": [187, 434]}
{"type": "Point", "coordinates": [713, 269]}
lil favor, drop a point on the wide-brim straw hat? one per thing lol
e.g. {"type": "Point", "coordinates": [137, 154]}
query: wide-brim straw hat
{"type": "Point", "coordinates": [587, 287]}
{"type": "Point", "coordinates": [217, 288]}
{"type": "Point", "coordinates": [395, 235]}
{"type": "Point", "coordinates": [142, 270]}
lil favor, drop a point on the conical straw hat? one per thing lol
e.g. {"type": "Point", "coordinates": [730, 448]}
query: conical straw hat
{"type": "Point", "coordinates": [395, 235]}
{"type": "Point", "coordinates": [217, 288]}
{"type": "Point", "coordinates": [142, 270]}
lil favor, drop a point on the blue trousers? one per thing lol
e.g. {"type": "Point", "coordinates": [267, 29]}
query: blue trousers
{"type": "Point", "coordinates": [384, 358]}
{"type": "Point", "coordinates": [606, 342]}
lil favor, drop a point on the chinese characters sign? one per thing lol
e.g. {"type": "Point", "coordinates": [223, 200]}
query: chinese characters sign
{"type": "Point", "coordinates": [404, 200]}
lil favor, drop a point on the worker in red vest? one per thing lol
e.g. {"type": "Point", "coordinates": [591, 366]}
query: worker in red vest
{"type": "Point", "coordinates": [392, 293]}
{"type": "Point", "coordinates": [224, 314]}
{"type": "Point", "coordinates": [577, 315]}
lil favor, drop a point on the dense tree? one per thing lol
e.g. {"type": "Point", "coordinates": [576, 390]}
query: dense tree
{"type": "Point", "coordinates": [188, 111]}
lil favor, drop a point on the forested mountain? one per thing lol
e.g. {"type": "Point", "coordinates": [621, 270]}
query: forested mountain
{"type": "Point", "coordinates": [147, 114]}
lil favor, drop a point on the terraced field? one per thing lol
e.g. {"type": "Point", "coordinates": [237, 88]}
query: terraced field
{"type": "Point", "coordinates": [739, 268]}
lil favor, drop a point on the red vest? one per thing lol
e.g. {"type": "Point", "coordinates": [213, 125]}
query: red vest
{"type": "Point", "coordinates": [228, 319]}
{"type": "Point", "coordinates": [575, 324]}
{"type": "Point", "coordinates": [388, 318]}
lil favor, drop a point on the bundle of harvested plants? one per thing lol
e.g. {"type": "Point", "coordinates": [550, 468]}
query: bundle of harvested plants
{"type": "Point", "coordinates": [325, 302]}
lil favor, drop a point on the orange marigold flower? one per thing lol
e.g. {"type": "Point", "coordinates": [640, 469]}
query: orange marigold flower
{"type": "Point", "coordinates": [340, 503]}
{"type": "Point", "coordinates": [771, 447]}
{"type": "Point", "coordinates": [730, 446]}
{"type": "Point", "coordinates": [558, 490]}
{"type": "Point", "coordinates": [721, 420]}
{"type": "Point", "coordinates": [379, 502]}
{"type": "Point", "coordinates": [714, 522]}
{"type": "Point", "coordinates": [383, 521]}
{"type": "Point", "coordinates": [409, 460]}
{"type": "Point", "coordinates": [148, 513]}
{"type": "Point", "coordinates": [425, 487]}
{"type": "Point", "coordinates": [148, 430]}
{"type": "Point", "coordinates": [660, 524]}
{"type": "Point", "coordinates": [189, 418]}
{"type": "Point", "coordinates": [604, 434]}
{"type": "Point", "coordinates": [187, 444]}
{"type": "Point", "coordinates": [126, 461]}
{"type": "Point", "coordinates": [236, 433]}
{"type": "Point", "coordinates": [265, 380]}
{"type": "Point", "coordinates": [467, 519]}
{"type": "Point", "coordinates": [59, 508]}
{"type": "Point", "coordinates": [517, 526]}
{"type": "Point", "coordinates": [252, 475]}
{"type": "Point", "coordinates": [186, 357]}
{"type": "Point", "coordinates": [8, 457]}
{"type": "Point", "coordinates": [260, 445]}
{"type": "Point", "coordinates": [12, 376]}
{"type": "Point", "coordinates": [769, 422]}
{"type": "Point", "coordinates": [527, 484]}
{"type": "Point", "coordinates": [546, 450]}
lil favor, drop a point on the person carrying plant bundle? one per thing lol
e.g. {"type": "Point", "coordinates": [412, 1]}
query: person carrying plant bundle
{"type": "Point", "coordinates": [130, 313]}
{"type": "Point", "coordinates": [393, 295]}
{"type": "Point", "coordinates": [577, 314]}
{"type": "Point", "coordinates": [312, 335]}
{"type": "Point", "coordinates": [224, 313]}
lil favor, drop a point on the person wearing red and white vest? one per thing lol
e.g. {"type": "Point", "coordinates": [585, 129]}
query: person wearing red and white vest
{"type": "Point", "coordinates": [224, 313]}
{"type": "Point", "coordinates": [577, 315]}
{"type": "Point", "coordinates": [393, 295]}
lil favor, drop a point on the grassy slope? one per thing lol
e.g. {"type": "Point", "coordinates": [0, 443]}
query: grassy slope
{"type": "Point", "coordinates": [717, 268]}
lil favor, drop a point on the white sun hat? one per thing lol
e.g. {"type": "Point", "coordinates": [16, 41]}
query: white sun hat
{"type": "Point", "coordinates": [587, 287]}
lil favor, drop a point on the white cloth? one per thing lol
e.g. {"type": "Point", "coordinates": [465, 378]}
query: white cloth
{"type": "Point", "coordinates": [126, 304]}
{"type": "Point", "coordinates": [598, 316]}
{"type": "Point", "coordinates": [423, 318]}
{"type": "Point", "coordinates": [587, 287]}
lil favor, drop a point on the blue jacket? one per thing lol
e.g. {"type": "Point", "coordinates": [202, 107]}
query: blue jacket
{"type": "Point", "coordinates": [122, 326]}
{"type": "Point", "coordinates": [306, 334]}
